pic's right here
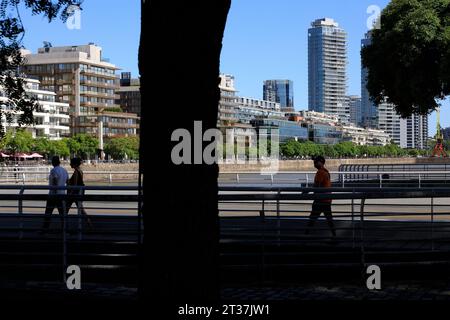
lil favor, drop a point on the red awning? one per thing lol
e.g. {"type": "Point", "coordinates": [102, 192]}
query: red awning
{"type": "Point", "coordinates": [36, 155]}
{"type": "Point", "coordinates": [22, 155]}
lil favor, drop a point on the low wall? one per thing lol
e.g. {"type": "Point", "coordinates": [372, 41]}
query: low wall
{"type": "Point", "coordinates": [331, 164]}
{"type": "Point", "coordinates": [109, 167]}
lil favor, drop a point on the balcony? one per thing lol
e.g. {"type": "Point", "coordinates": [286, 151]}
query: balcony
{"type": "Point", "coordinates": [100, 84]}
{"type": "Point", "coordinates": [121, 125]}
{"type": "Point", "coordinates": [98, 94]}
{"type": "Point", "coordinates": [98, 73]}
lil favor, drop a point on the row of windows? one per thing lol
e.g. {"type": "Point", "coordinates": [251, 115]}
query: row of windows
{"type": "Point", "coordinates": [42, 97]}
{"type": "Point", "coordinates": [96, 100]}
{"type": "Point", "coordinates": [117, 131]}
{"type": "Point", "coordinates": [84, 67]}
{"type": "Point", "coordinates": [107, 119]}
{"type": "Point", "coordinates": [50, 68]}
{"type": "Point", "coordinates": [96, 89]}
{"type": "Point", "coordinates": [96, 79]}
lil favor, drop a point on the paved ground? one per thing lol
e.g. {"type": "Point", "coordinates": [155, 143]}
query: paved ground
{"type": "Point", "coordinates": [56, 290]}
{"type": "Point", "coordinates": [389, 291]}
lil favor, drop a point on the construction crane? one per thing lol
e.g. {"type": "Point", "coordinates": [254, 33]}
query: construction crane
{"type": "Point", "coordinates": [438, 150]}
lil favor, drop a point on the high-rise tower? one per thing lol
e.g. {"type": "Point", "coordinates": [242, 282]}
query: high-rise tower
{"type": "Point", "coordinates": [327, 62]}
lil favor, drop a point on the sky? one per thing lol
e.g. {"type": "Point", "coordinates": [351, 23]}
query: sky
{"type": "Point", "coordinates": [266, 39]}
{"type": "Point", "coordinates": [107, 23]}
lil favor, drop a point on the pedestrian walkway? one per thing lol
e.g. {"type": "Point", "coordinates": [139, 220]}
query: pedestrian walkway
{"type": "Point", "coordinates": [390, 291]}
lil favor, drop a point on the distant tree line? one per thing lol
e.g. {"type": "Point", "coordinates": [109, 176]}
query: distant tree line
{"type": "Point", "coordinates": [297, 149]}
{"type": "Point", "coordinates": [80, 145]}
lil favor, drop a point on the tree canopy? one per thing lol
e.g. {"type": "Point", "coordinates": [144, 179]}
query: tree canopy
{"type": "Point", "coordinates": [408, 61]}
{"type": "Point", "coordinates": [123, 147]}
{"type": "Point", "coordinates": [345, 149]}
{"type": "Point", "coordinates": [80, 145]}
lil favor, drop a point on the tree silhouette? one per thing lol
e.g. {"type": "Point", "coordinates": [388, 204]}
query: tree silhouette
{"type": "Point", "coordinates": [179, 60]}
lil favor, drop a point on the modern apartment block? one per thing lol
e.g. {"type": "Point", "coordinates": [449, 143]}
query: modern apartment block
{"type": "Point", "coordinates": [416, 128]}
{"type": "Point", "coordinates": [85, 80]}
{"type": "Point", "coordinates": [51, 117]}
{"type": "Point", "coordinates": [365, 137]}
{"type": "Point", "coordinates": [228, 101]}
{"type": "Point", "coordinates": [327, 62]}
{"type": "Point", "coordinates": [280, 91]}
{"type": "Point", "coordinates": [411, 132]}
{"type": "Point", "coordinates": [129, 94]}
{"type": "Point", "coordinates": [354, 103]}
{"type": "Point", "coordinates": [249, 109]}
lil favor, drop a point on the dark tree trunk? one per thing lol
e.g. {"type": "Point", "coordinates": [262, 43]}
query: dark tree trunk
{"type": "Point", "coordinates": [179, 59]}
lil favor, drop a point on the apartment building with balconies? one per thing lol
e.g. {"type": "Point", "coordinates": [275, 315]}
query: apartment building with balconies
{"type": "Point", "coordinates": [327, 68]}
{"type": "Point", "coordinates": [51, 118]}
{"type": "Point", "coordinates": [81, 77]}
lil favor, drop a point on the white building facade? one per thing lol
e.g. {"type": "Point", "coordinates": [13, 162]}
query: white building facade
{"type": "Point", "coordinates": [51, 118]}
{"type": "Point", "coordinates": [365, 137]}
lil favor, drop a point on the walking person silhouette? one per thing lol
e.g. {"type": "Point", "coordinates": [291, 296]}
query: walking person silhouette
{"type": "Point", "coordinates": [322, 179]}
{"type": "Point", "coordinates": [58, 178]}
{"type": "Point", "coordinates": [77, 180]}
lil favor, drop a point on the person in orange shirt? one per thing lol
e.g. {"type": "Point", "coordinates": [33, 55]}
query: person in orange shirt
{"type": "Point", "coordinates": [321, 180]}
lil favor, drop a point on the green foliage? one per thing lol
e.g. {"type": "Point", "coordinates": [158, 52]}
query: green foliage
{"type": "Point", "coordinates": [82, 145]}
{"type": "Point", "coordinates": [58, 148]}
{"type": "Point", "coordinates": [122, 147]}
{"type": "Point", "coordinates": [20, 141]}
{"type": "Point", "coordinates": [292, 149]}
{"type": "Point", "coordinates": [409, 60]}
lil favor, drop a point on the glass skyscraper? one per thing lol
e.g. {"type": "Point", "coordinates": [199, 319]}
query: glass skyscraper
{"type": "Point", "coordinates": [327, 62]}
{"type": "Point", "coordinates": [280, 91]}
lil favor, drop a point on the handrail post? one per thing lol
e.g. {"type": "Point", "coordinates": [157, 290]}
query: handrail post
{"type": "Point", "coordinates": [381, 181]}
{"type": "Point", "coordinates": [237, 177]}
{"type": "Point", "coordinates": [23, 178]}
{"type": "Point", "coordinates": [307, 179]}
{"type": "Point", "coordinates": [278, 217]}
{"type": "Point", "coordinates": [363, 260]}
{"type": "Point", "coordinates": [110, 177]}
{"type": "Point", "coordinates": [80, 221]}
{"type": "Point", "coordinates": [64, 239]}
{"type": "Point", "coordinates": [420, 181]}
{"type": "Point", "coordinates": [353, 221]}
{"type": "Point", "coordinates": [263, 238]}
{"type": "Point", "coordinates": [22, 189]}
{"type": "Point", "coordinates": [432, 224]}
{"type": "Point", "coordinates": [343, 180]}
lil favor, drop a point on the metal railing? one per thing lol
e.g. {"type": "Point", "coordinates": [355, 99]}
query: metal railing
{"type": "Point", "coordinates": [385, 226]}
{"type": "Point", "coordinates": [340, 179]}
{"type": "Point", "coordinates": [114, 211]}
{"type": "Point", "coordinates": [26, 175]}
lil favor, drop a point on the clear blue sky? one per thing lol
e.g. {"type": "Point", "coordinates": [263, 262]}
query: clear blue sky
{"type": "Point", "coordinates": [114, 25]}
{"type": "Point", "coordinates": [266, 39]}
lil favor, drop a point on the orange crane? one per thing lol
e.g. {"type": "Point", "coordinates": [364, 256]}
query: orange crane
{"type": "Point", "coordinates": [438, 150]}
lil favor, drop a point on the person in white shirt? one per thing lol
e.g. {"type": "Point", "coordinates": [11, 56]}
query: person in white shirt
{"type": "Point", "coordinates": [58, 178]}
